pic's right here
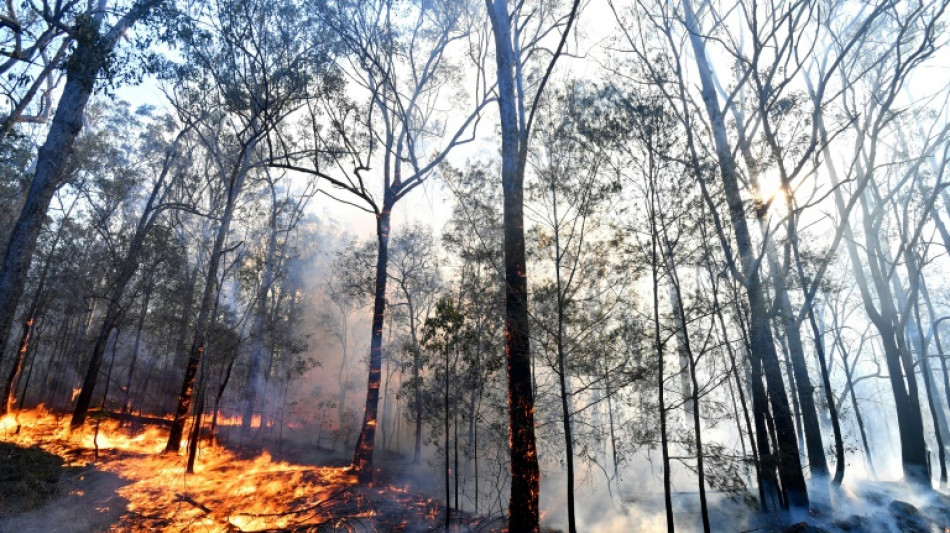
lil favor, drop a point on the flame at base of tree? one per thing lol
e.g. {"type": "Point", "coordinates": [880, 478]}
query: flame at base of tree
{"type": "Point", "coordinates": [227, 492]}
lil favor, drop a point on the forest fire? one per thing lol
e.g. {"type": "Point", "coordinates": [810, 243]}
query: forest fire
{"type": "Point", "coordinates": [227, 492]}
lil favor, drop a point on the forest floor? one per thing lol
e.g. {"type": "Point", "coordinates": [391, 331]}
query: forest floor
{"type": "Point", "coordinates": [118, 479]}
{"type": "Point", "coordinates": [76, 482]}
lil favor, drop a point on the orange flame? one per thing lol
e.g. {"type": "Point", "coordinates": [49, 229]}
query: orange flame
{"type": "Point", "coordinates": [226, 493]}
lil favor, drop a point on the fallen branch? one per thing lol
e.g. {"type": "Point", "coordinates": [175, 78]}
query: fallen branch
{"type": "Point", "coordinates": [188, 499]}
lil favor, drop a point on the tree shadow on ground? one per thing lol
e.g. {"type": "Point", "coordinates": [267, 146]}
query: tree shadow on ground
{"type": "Point", "coordinates": [38, 493]}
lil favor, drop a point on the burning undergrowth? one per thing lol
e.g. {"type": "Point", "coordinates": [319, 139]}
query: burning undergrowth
{"type": "Point", "coordinates": [227, 491]}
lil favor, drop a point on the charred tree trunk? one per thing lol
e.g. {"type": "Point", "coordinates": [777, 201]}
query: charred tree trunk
{"type": "Point", "coordinates": [562, 375]}
{"type": "Point", "coordinates": [658, 348]}
{"type": "Point", "coordinates": [116, 293]}
{"type": "Point", "coordinates": [22, 349]}
{"type": "Point", "coordinates": [235, 183]}
{"type": "Point", "coordinates": [523, 507]}
{"type": "Point", "coordinates": [363, 456]}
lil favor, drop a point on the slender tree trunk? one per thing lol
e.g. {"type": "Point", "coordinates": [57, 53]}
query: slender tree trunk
{"type": "Point", "coordinates": [935, 331]}
{"type": "Point", "coordinates": [717, 309]}
{"type": "Point", "coordinates": [196, 427]}
{"type": "Point", "coordinates": [762, 343]}
{"type": "Point", "coordinates": [909, 421]}
{"type": "Point", "coordinates": [922, 345]}
{"type": "Point", "coordinates": [849, 376]}
{"type": "Point", "coordinates": [829, 396]}
{"type": "Point", "coordinates": [363, 456]}
{"type": "Point", "coordinates": [220, 394]}
{"type": "Point", "coordinates": [523, 507]}
{"type": "Point", "coordinates": [698, 434]}
{"type": "Point", "coordinates": [127, 390]}
{"type": "Point", "coordinates": [445, 443]}
{"type": "Point", "coordinates": [660, 380]}
{"type": "Point", "coordinates": [113, 312]}
{"type": "Point", "coordinates": [687, 351]}
{"type": "Point", "coordinates": [235, 184]}
{"type": "Point", "coordinates": [562, 370]}
{"type": "Point", "coordinates": [22, 349]}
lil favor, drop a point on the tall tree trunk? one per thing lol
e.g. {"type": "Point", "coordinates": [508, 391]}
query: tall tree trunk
{"type": "Point", "coordinates": [849, 376]}
{"type": "Point", "coordinates": [762, 343]}
{"type": "Point", "coordinates": [562, 375]}
{"type": "Point", "coordinates": [445, 441]}
{"type": "Point", "coordinates": [113, 312]}
{"type": "Point", "coordinates": [255, 379]}
{"type": "Point", "coordinates": [691, 359]}
{"type": "Point", "coordinates": [235, 183]}
{"type": "Point", "coordinates": [658, 348]}
{"type": "Point", "coordinates": [717, 310]}
{"type": "Point", "coordinates": [829, 396]}
{"type": "Point", "coordinates": [89, 58]}
{"type": "Point", "coordinates": [83, 66]}
{"type": "Point", "coordinates": [789, 319]}
{"type": "Point", "coordinates": [363, 455]}
{"type": "Point", "coordinates": [909, 420]}
{"type": "Point", "coordinates": [22, 349]}
{"type": "Point", "coordinates": [523, 506]}
{"type": "Point", "coordinates": [127, 389]}
{"type": "Point", "coordinates": [935, 331]}
{"type": "Point", "coordinates": [34, 345]}
{"type": "Point", "coordinates": [922, 347]}
{"type": "Point", "coordinates": [30, 321]}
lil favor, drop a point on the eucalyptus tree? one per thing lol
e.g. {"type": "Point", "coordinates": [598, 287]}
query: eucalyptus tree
{"type": "Point", "coordinates": [415, 276]}
{"type": "Point", "coordinates": [571, 196]}
{"type": "Point", "coordinates": [284, 214]}
{"type": "Point", "coordinates": [34, 41]}
{"type": "Point", "coordinates": [398, 58]}
{"type": "Point", "coordinates": [885, 66]}
{"type": "Point", "coordinates": [91, 57]}
{"type": "Point", "coordinates": [161, 158]}
{"type": "Point", "coordinates": [518, 33]}
{"type": "Point", "coordinates": [244, 70]}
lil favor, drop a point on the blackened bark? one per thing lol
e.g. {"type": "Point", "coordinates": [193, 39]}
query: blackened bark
{"type": "Point", "coordinates": [235, 184]}
{"type": "Point", "coordinates": [51, 159]}
{"type": "Point", "coordinates": [661, 378]}
{"type": "Point", "coordinates": [563, 377]}
{"type": "Point", "coordinates": [909, 420]}
{"type": "Point", "coordinates": [10, 386]}
{"type": "Point", "coordinates": [363, 456]}
{"type": "Point", "coordinates": [445, 441]}
{"type": "Point", "coordinates": [523, 507]}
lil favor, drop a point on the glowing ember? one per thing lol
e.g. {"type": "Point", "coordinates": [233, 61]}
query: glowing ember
{"type": "Point", "coordinates": [226, 492]}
